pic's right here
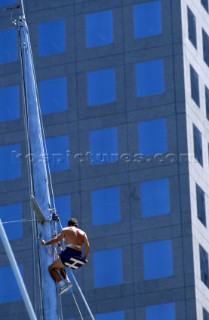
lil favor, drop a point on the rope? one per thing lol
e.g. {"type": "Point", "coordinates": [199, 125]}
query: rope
{"type": "Point", "coordinates": [36, 273]}
{"type": "Point", "coordinates": [48, 175]}
{"type": "Point", "coordinates": [16, 221]}
{"type": "Point", "coordinates": [51, 191]}
{"type": "Point", "coordinates": [79, 289]}
{"type": "Point", "coordinates": [82, 296]}
{"type": "Point", "coordinates": [77, 306]}
{"type": "Point", "coordinates": [47, 161]}
{"type": "Point", "coordinates": [28, 146]}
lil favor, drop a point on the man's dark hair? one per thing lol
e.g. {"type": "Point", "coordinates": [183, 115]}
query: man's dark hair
{"type": "Point", "coordinates": [73, 222]}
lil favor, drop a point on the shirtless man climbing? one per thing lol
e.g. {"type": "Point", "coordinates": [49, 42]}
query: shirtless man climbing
{"type": "Point", "coordinates": [74, 239]}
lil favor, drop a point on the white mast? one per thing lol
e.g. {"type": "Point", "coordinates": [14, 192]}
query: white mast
{"type": "Point", "coordinates": [39, 176]}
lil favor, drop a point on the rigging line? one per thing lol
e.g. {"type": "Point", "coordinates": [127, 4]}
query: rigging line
{"type": "Point", "coordinates": [44, 142]}
{"type": "Point", "coordinates": [30, 174]}
{"type": "Point", "coordinates": [79, 289]}
{"type": "Point", "coordinates": [25, 116]}
{"type": "Point", "coordinates": [60, 223]}
{"type": "Point", "coordinates": [15, 221]}
{"type": "Point", "coordinates": [81, 293]}
{"type": "Point", "coordinates": [48, 176]}
{"type": "Point", "coordinates": [29, 164]}
{"type": "Point", "coordinates": [31, 66]}
{"type": "Point", "coordinates": [47, 166]}
{"type": "Point", "coordinates": [50, 184]}
{"type": "Point", "coordinates": [31, 189]}
{"type": "Point", "coordinates": [35, 274]}
{"type": "Point", "coordinates": [77, 305]}
{"type": "Point", "coordinates": [47, 159]}
{"type": "Point", "coordinates": [44, 137]}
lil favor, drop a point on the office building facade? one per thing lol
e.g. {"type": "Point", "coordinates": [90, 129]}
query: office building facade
{"type": "Point", "coordinates": [124, 94]}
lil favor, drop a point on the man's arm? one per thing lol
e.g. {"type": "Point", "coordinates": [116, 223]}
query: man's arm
{"type": "Point", "coordinates": [86, 247]}
{"type": "Point", "coordinates": [54, 240]}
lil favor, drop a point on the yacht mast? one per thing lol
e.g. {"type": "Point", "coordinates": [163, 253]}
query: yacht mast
{"type": "Point", "coordinates": [38, 172]}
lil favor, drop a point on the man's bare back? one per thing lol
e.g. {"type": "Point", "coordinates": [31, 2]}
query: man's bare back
{"type": "Point", "coordinates": [74, 235]}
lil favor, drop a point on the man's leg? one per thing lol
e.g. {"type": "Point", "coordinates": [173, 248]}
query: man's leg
{"type": "Point", "coordinates": [65, 276]}
{"type": "Point", "coordinates": [63, 273]}
{"type": "Point", "coordinates": [57, 264]}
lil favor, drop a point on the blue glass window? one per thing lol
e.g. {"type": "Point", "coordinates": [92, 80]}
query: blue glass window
{"type": "Point", "coordinates": [192, 27]}
{"type": "Point", "coordinates": [207, 101]}
{"type": "Point", "coordinates": [197, 137]}
{"type": "Point", "coordinates": [157, 259]}
{"type": "Point", "coordinates": [149, 78]}
{"type": "Point", "coordinates": [57, 148]}
{"type": "Point", "coordinates": [117, 315]}
{"type": "Point", "coordinates": [161, 312]}
{"type": "Point", "coordinates": [53, 95]}
{"type": "Point", "coordinates": [103, 145]}
{"type": "Point", "coordinates": [99, 29]}
{"type": "Point", "coordinates": [7, 281]}
{"type": "Point", "coordinates": [108, 268]}
{"type": "Point", "coordinates": [6, 2]}
{"type": "Point", "coordinates": [200, 196]}
{"type": "Point", "coordinates": [101, 87]}
{"type": "Point", "coordinates": [205, 38]}
{"type": "Point", "coordinates": [147, 19]}
{"type": "Point", "coordinates": [51, 37]}
{"type": "Point", "coordinates": [12, 212]}
{"type": "Point", "coordinates": [155, 197]}
{"type": "Point", "coordinates": [206, 6]}
{"type": "Point", "coordinates": [204, 266]}
{"type": "Point", "coordinates": [8, 45]}
{"type": "Point", "coordinates": [105, 205]}
{"type": "Point", "coordinates": [9, 102]}
{"type": "Point", "coordinates": [63, 207]}
{"type": "Point", "coordinates": [205, 314]}
{"type": "Point", "coordinates": [194, 78]}
{"type": "Point", "coordinates": [10, 167]}
{"type": "Point", "coordinates": [152, 137]}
